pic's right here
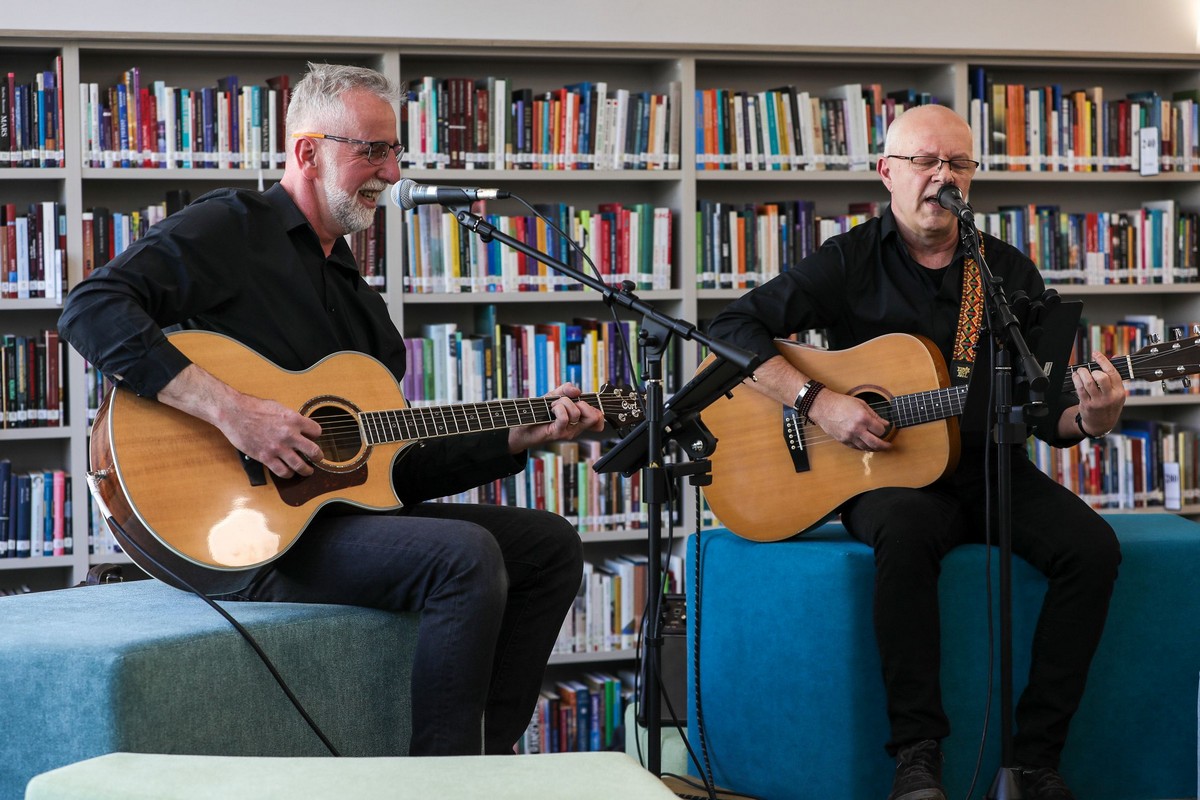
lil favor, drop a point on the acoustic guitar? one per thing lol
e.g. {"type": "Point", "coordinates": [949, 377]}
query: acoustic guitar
{"type": "Point", "coordinates": [773, 477]}
{"type": "Point", "coordinates": [191, 509]}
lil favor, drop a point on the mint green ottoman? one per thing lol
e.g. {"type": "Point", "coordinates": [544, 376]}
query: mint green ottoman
{"type": "Point", "coordinates": [146, 668]}
{"type": "Point", "coordinates": [561, 776]}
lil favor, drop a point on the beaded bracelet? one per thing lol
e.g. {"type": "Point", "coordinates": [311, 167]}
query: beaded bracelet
{"type": "Point", "coordinates": [1079, 424]}
{"type": "Point", "coordinates": [804, 400]}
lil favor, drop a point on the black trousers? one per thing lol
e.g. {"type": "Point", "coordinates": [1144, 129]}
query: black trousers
{"type": "Point", "coordinates": [493, 585]}
{"type": "Point", "coordinates": [1055, 531]}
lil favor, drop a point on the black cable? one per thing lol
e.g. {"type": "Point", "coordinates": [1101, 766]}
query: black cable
{"type": "Point", "coordinates": [706, 769]}
{"type": "Point", "coordinates": [687, 779]}
{"type": "Point", "coordinates": [236, 626]}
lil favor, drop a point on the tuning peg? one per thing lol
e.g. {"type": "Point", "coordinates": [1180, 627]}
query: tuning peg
{"type": "Point", "coordinates": [1187, 382]}
{"type": "Point", "coordinates": [1196, 330]}
{"type": "Point", "coordinates": [1155, 338]}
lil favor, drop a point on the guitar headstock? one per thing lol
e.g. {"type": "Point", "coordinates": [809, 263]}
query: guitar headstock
{"type": "Point", "coordinates": [622, 406]}
{"type": "Point", "coordinates": [1166, 360]}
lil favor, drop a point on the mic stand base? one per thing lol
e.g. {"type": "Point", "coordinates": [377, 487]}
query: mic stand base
{"type": "Point", "coordinates": [1005, 786]}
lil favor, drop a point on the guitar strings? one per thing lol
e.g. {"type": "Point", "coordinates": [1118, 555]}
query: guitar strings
{"type": "Point", "coordinates": [459, 418]}
{"type": "Point", "coordinates": [466, 417]}
{"type": "Point", "coordinates": [823, 438]}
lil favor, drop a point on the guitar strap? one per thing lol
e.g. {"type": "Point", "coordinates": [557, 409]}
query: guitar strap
{"type": "Point", "coordinates": [970, 321]}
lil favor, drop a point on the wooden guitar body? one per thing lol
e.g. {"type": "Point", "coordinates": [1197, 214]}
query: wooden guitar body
{"type": "Point", "coordinates": [757, 491]}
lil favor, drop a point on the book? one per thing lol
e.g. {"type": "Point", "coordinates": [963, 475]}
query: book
{"type": "Point", "coordinates": [20, 529]}
{"type": "Point", "coordinates": [5, 481]}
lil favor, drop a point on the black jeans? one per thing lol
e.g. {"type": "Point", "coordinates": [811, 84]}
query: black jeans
{"type": "Point", "coordinates": [493, 586]}
{"type": "Point", "coordinates": [912, 529]}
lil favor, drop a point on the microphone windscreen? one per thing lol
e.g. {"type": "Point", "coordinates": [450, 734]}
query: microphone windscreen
{"type": "Point", "coordinates": [401, 193]}
{"type": "Point", "coordinates": [949, 196]}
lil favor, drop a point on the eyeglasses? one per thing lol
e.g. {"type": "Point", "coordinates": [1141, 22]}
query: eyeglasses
{"type": "Point", "coordinates": [376, 152]}
{"type": "Point", "coordinates": [959, 166]}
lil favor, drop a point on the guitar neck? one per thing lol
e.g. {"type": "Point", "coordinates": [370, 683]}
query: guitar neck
{"type": "Point", "coordinates": [431, 422]}
{"type": "Point", "coordinates": [922, 407]}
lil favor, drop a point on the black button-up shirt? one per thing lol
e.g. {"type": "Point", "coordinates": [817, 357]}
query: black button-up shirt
{"type": "Point", "coordinates": [863, 284]}
{"type": "Point", "coordinates": [248, 265]}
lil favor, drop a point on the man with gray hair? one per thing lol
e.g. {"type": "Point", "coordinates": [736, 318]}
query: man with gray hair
{"type": "Point", "coordinates": [272, 270]}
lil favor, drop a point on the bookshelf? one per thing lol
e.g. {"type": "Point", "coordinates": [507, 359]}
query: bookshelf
{"type": "Point", "coordinates": [546, 67]}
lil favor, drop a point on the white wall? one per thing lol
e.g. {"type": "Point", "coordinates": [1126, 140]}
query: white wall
{"type": "Point", "coordinates": [1127, 26]}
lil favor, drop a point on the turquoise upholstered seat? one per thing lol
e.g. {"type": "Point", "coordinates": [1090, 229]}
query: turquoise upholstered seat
{"type": "Point", "coordinates": [146, 668]}
{"type": "Point", "coordinates": [793, 700]}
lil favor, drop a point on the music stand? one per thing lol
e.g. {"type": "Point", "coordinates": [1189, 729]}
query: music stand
{"type": "Point", "coordinates": [1051, 333]}
{"type": "Point", "coordinates": [681, 419]}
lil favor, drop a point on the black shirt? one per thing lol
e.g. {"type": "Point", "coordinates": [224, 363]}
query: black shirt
{"type": "Point", "coordinates": [863, 284]}
{"type": "Point", "coordinates": [248, 265]}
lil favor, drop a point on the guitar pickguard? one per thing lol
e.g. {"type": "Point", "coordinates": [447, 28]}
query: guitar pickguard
{"type": "Point", "coordinates": [299, 489]}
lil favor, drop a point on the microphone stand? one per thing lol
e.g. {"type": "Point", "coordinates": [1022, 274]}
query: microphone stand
{"type": "Point", "coordinates": [653, 339]}
{"type": "Point", "coordinates": [1009, 431]}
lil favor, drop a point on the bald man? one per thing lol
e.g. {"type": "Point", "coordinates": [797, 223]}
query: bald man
{"type": "Point", "coordinates": [907, 272]}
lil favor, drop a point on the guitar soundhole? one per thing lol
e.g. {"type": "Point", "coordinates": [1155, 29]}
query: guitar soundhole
{"type": "Point", "coordinates": [340, 439]}
{"type": "Point", "coordinates": [879, 403]}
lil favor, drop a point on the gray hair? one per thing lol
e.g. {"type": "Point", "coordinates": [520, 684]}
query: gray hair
{"type": "Point", "coordinates": [317, 99]}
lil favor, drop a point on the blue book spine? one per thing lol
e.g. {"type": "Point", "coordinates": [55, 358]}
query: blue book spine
{"type": "Point", "coordinates": [40, 120]}
{"type": "Point", "coordinates": [5, 481]}
{"type": "Point", "coordinates": [208, 113]}
{"type": "Point", "coordinates": [14, 499]}
{"type": "Point", "coordinates": [20, 532]}
{"type": "Point", "coordinates": [541, 385]}
{"type": "Point", "coordinates": [574, 354]}
{"type": "Point", "coordinates": [123, 143]}
{"type": "Point", "coordinates": [47, 521]}
{"type": "Point", "coordinates": [20, 131]}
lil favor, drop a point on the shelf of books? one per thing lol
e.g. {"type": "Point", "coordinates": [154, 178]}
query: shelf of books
{"type": "Point", "coordinates": [692, 176]}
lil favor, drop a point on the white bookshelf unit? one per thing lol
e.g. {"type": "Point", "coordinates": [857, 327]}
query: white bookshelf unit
{"type": "Point", "coordinates": [544, 67]}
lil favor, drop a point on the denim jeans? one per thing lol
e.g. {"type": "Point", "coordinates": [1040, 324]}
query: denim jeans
{"type": "Point", "coordinates": [1055, 531]}
{"type": "Point", "coordinates": [493, 586]}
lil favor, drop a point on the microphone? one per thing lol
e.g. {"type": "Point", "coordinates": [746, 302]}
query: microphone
{"type": "Point", "coordinates": [950, 198]}
{"type": "Point", "coordinates": [409, 194]}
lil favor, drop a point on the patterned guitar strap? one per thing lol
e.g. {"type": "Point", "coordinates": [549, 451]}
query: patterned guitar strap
{"type": "Point", "coordinates": [970, 321]}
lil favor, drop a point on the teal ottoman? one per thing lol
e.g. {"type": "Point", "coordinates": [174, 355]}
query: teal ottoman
{"type": "Point", "coordinates": [793, 701]}
{"type": "Point", "coordinates": [143, 667]}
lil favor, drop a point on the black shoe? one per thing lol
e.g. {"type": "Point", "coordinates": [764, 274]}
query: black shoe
{"type": "Point", "coordinates": [1043, 784]}
{"type": "Point", "coordinates": [919, 773]}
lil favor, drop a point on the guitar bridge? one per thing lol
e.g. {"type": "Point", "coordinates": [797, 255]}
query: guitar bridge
{"type": "Point", "coordinates": [793, 434]}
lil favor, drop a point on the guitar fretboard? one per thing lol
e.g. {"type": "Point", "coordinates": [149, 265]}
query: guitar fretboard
{"type": "Point", "coordinates": [407, 424]}
{"type": "Point", "coordinates": [922, 407]}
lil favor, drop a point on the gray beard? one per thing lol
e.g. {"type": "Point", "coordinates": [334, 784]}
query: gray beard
{"type": "Point", "coordinates": [351, 216]}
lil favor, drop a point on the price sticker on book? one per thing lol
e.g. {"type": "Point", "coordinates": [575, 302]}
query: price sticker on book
{"type": "Point", "coordinates": [1172, 496]}
{"type": "Point", "coordinates": [1148, 149]}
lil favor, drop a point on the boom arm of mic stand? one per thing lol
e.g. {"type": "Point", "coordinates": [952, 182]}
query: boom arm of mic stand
{"type": "Point", "coordinates": [745, 360]}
